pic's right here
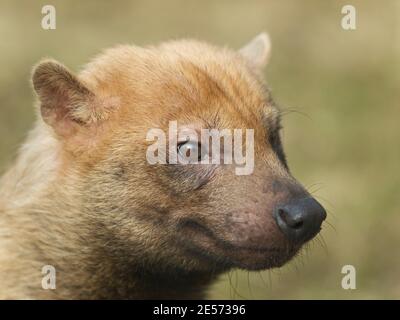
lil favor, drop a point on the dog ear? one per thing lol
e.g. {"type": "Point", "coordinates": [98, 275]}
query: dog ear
{"type": "Point", "coordinates": [65, 102]}
{"type": "Point", "coordinates": [258, 50]}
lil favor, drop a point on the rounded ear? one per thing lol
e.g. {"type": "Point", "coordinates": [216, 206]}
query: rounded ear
{"type": "Point", "coordinates": [64, 100]}
{"type": "Point", "coordinates": [257, 52]}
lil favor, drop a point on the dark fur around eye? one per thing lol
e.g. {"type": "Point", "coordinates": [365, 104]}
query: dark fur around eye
{"type": "Point", "coordinates": [276, 143]}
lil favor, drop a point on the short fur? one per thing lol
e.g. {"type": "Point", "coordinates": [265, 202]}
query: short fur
{"type": "Point", "coordinates": [82, 197]}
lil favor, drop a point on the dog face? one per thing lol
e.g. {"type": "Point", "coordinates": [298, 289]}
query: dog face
{"type": "Point", "coordinates": [178, 216]}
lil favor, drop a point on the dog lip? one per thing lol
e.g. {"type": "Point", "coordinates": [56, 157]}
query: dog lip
{"type": "Point", "coordinates": [226, 245]}
{"type": "Point", "coordinates": [228, 255]}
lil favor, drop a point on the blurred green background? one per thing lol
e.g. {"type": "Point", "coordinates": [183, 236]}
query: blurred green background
{"type": "Point", "coordinates": [341, 129]}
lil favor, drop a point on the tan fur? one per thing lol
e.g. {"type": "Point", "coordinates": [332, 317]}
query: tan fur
{"type": "Point", "coordinates": [82, 197]}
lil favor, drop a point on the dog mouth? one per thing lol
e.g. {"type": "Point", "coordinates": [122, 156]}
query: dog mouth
{"type": "Point", "coordinates": [200, 241]}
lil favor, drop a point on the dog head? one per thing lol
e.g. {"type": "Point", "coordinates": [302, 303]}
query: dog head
{"type": "Point", "coordinates": [175, 210]}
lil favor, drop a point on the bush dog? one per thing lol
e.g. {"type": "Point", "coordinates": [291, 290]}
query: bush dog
{"type": "Point", "coordinates": [82, 196]}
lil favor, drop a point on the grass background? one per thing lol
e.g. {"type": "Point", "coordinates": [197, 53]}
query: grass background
{"type": "Point", "coordinates": [342, 140]}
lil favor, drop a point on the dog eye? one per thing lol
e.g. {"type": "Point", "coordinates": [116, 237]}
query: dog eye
{"type": "Point", "coordinates": [191, 152]}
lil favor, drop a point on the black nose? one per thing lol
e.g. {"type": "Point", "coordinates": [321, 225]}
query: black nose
{"type": "Point", "coordinates": [301, 219]}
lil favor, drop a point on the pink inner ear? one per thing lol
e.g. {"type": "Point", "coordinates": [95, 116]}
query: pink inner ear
{"type": "Point", "coordinates": [55, 110]}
